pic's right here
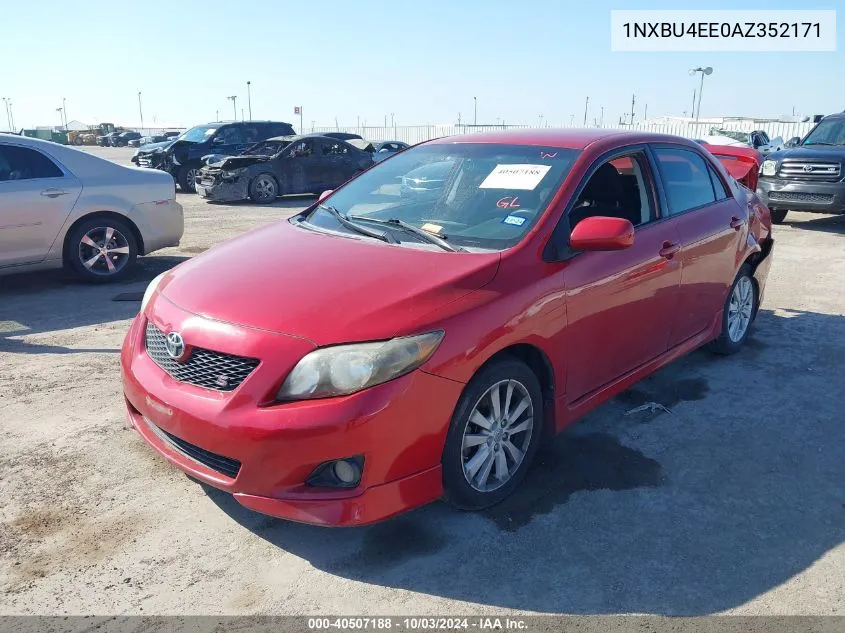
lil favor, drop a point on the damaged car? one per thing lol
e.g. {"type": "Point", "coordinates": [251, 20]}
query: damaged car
{"type": "Point", "coordinates": [280, 166]}
{"type": "Point", "coordinates": [183, 156]}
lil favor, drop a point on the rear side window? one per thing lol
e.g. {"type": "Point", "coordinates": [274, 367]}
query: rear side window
{"type": "Point", "coordinates": [280, 129]}
{"type": "Point", "coordinates": [23, 163]}
{"type": "Point", "coordinates": [718, 187]}
{"type": "Point", "coordinates": [686, 178]}
{"type": "Point", "coordinates": [335, 149]}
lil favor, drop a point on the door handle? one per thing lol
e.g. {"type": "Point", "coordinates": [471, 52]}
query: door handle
{"type": "Point", "coordinates": [53, 193]}
{"type": "Point", "coordinates": [737, 223]}
{"type": "Point", "coordinates": [669, 249]}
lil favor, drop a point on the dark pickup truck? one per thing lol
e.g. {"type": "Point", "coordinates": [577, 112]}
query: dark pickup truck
{"type": "Point", "coordinates": [809, 175]}
{"type": "Point", "coordinates": [183, 156]}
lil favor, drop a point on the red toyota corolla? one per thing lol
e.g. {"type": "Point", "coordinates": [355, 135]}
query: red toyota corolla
{"type": "Point", "coordinates": [418, 333]}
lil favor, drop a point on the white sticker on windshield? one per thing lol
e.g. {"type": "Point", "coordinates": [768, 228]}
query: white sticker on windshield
{"type": "Point", "coordinates": [525, 177]}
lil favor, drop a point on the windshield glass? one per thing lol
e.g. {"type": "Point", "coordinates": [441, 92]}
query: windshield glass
{"type": "Point", "coordinates": [198, 134]}
{"type": "Point", "coordinates": [266, 148]}
{"type": "Point", "coordinates": [477, 196]}
{"type": "Point", "coordinates": [828, 132]}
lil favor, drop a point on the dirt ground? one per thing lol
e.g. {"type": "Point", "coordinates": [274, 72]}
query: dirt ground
{"type": "Point", "coordinates": [733, 502]}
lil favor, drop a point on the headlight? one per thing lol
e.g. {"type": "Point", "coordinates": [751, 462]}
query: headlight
{"type": "Point", "coordinates": [234, 173]}
{"type": "Point", "coordinates": [769, 167]}
{"type": "Point", "coordinates": [344, 369]}
{"type": "Point", "coordinates": [151, 288]}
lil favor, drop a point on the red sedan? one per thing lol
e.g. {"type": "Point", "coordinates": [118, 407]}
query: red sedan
{"type": "Point", "coordinates": [419, 332]}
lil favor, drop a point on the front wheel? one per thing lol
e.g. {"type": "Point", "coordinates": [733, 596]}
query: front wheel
{"type": "Point", "coordinates": [101, 249]}
{"type": "Point", "coordinates": [494, 434]}
{"type": "Point", "coordinates": [738, 314]}
{"type": "Point", "coordinates": [187, 178]}
{"type": "Point", "coordinates": [778, 215]}
{"type": "Point", "coordinates": [263, 189]}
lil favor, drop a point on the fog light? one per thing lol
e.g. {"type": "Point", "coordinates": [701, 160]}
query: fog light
{"type": "Point", "coordinates": [346, 472]}
{"type": "Point", "coordinates": [339, 473]}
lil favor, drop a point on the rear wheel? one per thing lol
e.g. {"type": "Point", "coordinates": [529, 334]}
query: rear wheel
{"type": "Point", "coordinates": [101, 249]}
{"type": "Point", "coordinates": [187, 178]}
{"type": "Point", "coordinates": [263, 189]}
{"type": "Point", "coordinates": [493, 436]}
{"type": "Point", "coordinates": [778, 215]}
{"type": "Point", "coordinates": [738, 314]}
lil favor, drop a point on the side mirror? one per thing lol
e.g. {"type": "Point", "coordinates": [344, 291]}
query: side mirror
{"type": "Point", "coordinates": [324, 195]}
{"type": "Point", "coordinates": [218, 141]}
{"type": "Point", "coordinates": [601, 233]}
{"type": "Point", "coordinates": [793, 142]}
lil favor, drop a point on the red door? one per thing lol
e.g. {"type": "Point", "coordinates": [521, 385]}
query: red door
{"type": "Point", "coordinates": [621, 308]}
{"type": "Point", "coordinates": [712, 228]}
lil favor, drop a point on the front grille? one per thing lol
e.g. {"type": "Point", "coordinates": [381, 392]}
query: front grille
{"type": "Point", "coordinates": [820, 171]}
{"type": "Point", "coordinates": [203, 367]}
{"type": "Point", "coordinates": [799, 196]}
{"type": "Point", "coordinates": [225, 465]}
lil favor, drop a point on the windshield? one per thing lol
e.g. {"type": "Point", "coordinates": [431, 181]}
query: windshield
{"type": "Point", "coordinates": [266, 148]}
{"type": "Point", "coordinates": [477, 196]}
{"type": "Point", "coordinates": [198, 134]}
{"type": "Point", "coordinates": [827, 132]}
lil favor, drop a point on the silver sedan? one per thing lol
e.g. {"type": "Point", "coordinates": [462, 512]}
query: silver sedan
{"type": "Point", "coordinates": [60, 206]}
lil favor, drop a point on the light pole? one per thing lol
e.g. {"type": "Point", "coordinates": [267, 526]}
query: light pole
{"type": "Point", "coordinates": [249, 99]}
{"type": "Point", "coordinates": [141, 111]}
{"type": "Point", "coordinates": [704, 71]}
{"type": "Point", "coordinates": [475, 110]}
{"type": "Point", "coordinates": [8, 115]}
{"type": "Point", "coordinates": [601, 121]}
{"type": "Point", "coordinates": [234, 100]}
{"type": "Point", "coordinates": [64, 109]}
{"type": "Point", "coordinates": [586, 107]}
{"type": "Point", "coordinates": [61, 118]}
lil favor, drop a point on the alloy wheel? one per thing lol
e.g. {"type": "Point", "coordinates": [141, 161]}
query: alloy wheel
{"type": "Point", "coordinates": [740, 309]}
{"type": "Point", "coordinates": [497, 435]}
{"type": "Point", "coordinates": [104, 251]}
{"type": "Point", "coordinates": [265, 188]}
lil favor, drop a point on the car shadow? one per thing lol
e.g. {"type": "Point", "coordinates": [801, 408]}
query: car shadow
{"type": "Point", "coordinates": [32, 303]}
{"type": "Point", "coordinates": [814, 222]}
{"type": "Point", "coordinates": [728, 491]}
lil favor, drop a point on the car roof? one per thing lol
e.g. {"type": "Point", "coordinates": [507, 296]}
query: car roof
{"type": "Point", "coordinates": [28, 141]}
{"type": "Point", "coordinates": [563, 138]}
{"type": "Point", "coordinates": [219, 123]}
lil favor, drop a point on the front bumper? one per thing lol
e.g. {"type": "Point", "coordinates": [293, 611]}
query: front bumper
{"type": "Point", "coordinates": [399, 427]}
{"type": "Point", "coordinates": [818, 197]}
{"type": "Point", "coordinates": [156, 161]}
{"type": "Point", "coordinates": [219, 190]}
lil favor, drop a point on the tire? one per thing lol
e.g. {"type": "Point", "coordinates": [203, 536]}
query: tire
{"type": "Point", "coordinates": [77, 141]}
{"type": "Point", "coordinates": [729, 342]}
{"type": "Point", "coordinates": [81, 254]}
{"type": "Point", "coordinates": [778, 215]}
{"type": "Point", "coordinates": [264, 188]}
{"type": "Point", "coordinates": [458, 465]}
{"type": "Point", "coordinates": [187, 178]}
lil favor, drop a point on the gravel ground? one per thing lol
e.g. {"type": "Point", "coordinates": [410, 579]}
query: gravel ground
{"type": "Point", "coordinates": [731, 503]}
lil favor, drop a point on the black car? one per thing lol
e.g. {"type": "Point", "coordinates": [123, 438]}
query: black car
{"type": "Point", "coordinates": [183, 156]}
{"type": "Point", "coordinates": [386, 149]}
{"type": "Point", "coordinates": [279, 166]}
{"type": "Point", "coordinates": [122, 139]}
{"type": "Point", "coordinates": [809, 175]}
{"type": "Point", "coordinates": [107, 140]}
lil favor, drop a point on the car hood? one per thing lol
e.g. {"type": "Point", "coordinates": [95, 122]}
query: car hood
{"type": "Point", "coordinates": [233, 162]}
{"type": "Point", "coordinates": [324, 288]}
{"type": "Point", "coordinates": [810, 152]}
{"type": "Point", "coordinates": [152, 147]}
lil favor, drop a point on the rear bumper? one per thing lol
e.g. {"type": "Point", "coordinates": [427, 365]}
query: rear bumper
{"type": "Point", "coordinates": [817, 197]}
{"type": "Point", "coordinates": [761, 271]}
{"type": "Point", "coordinates": [161, 224]}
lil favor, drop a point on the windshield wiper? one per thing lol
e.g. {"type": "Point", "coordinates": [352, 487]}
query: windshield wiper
{"type": "Point", "coordinates": [410, 228]}
{"type": "Point", "coordinates": [385, 237]}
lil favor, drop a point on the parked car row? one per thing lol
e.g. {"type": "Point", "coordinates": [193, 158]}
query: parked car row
{"type": "Point", "coordinates": [261, 160]}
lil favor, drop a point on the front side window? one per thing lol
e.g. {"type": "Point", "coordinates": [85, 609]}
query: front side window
{"type": "Point", "coordinates": [23, 163]}
{"type": "Point", "coordinates": [618, 189]}
{"type": "Point", "coordinates": [686, 179]}
{"type": "Point", "coordinates": [480, 196]}
{"type": "Point", "coordinates": [230, 136]}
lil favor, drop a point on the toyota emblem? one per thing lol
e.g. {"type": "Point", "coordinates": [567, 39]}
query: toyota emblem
{"type": "Point", "coordinates": [808, 168]}
{"type": "Point", "coordinates": [175, 346]}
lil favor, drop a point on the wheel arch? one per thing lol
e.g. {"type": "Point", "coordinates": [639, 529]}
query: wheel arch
{"type": "Point", "coordinates": [136, 233]}
{"type": "Point", "coordinates": [539, 363]}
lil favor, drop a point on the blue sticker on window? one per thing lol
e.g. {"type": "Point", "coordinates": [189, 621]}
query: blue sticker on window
{"type": "Point", "coordinates": [514, 220]}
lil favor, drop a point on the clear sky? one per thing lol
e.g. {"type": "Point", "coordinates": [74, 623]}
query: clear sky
{"type": "Point", "coordinates": [424, 61]}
